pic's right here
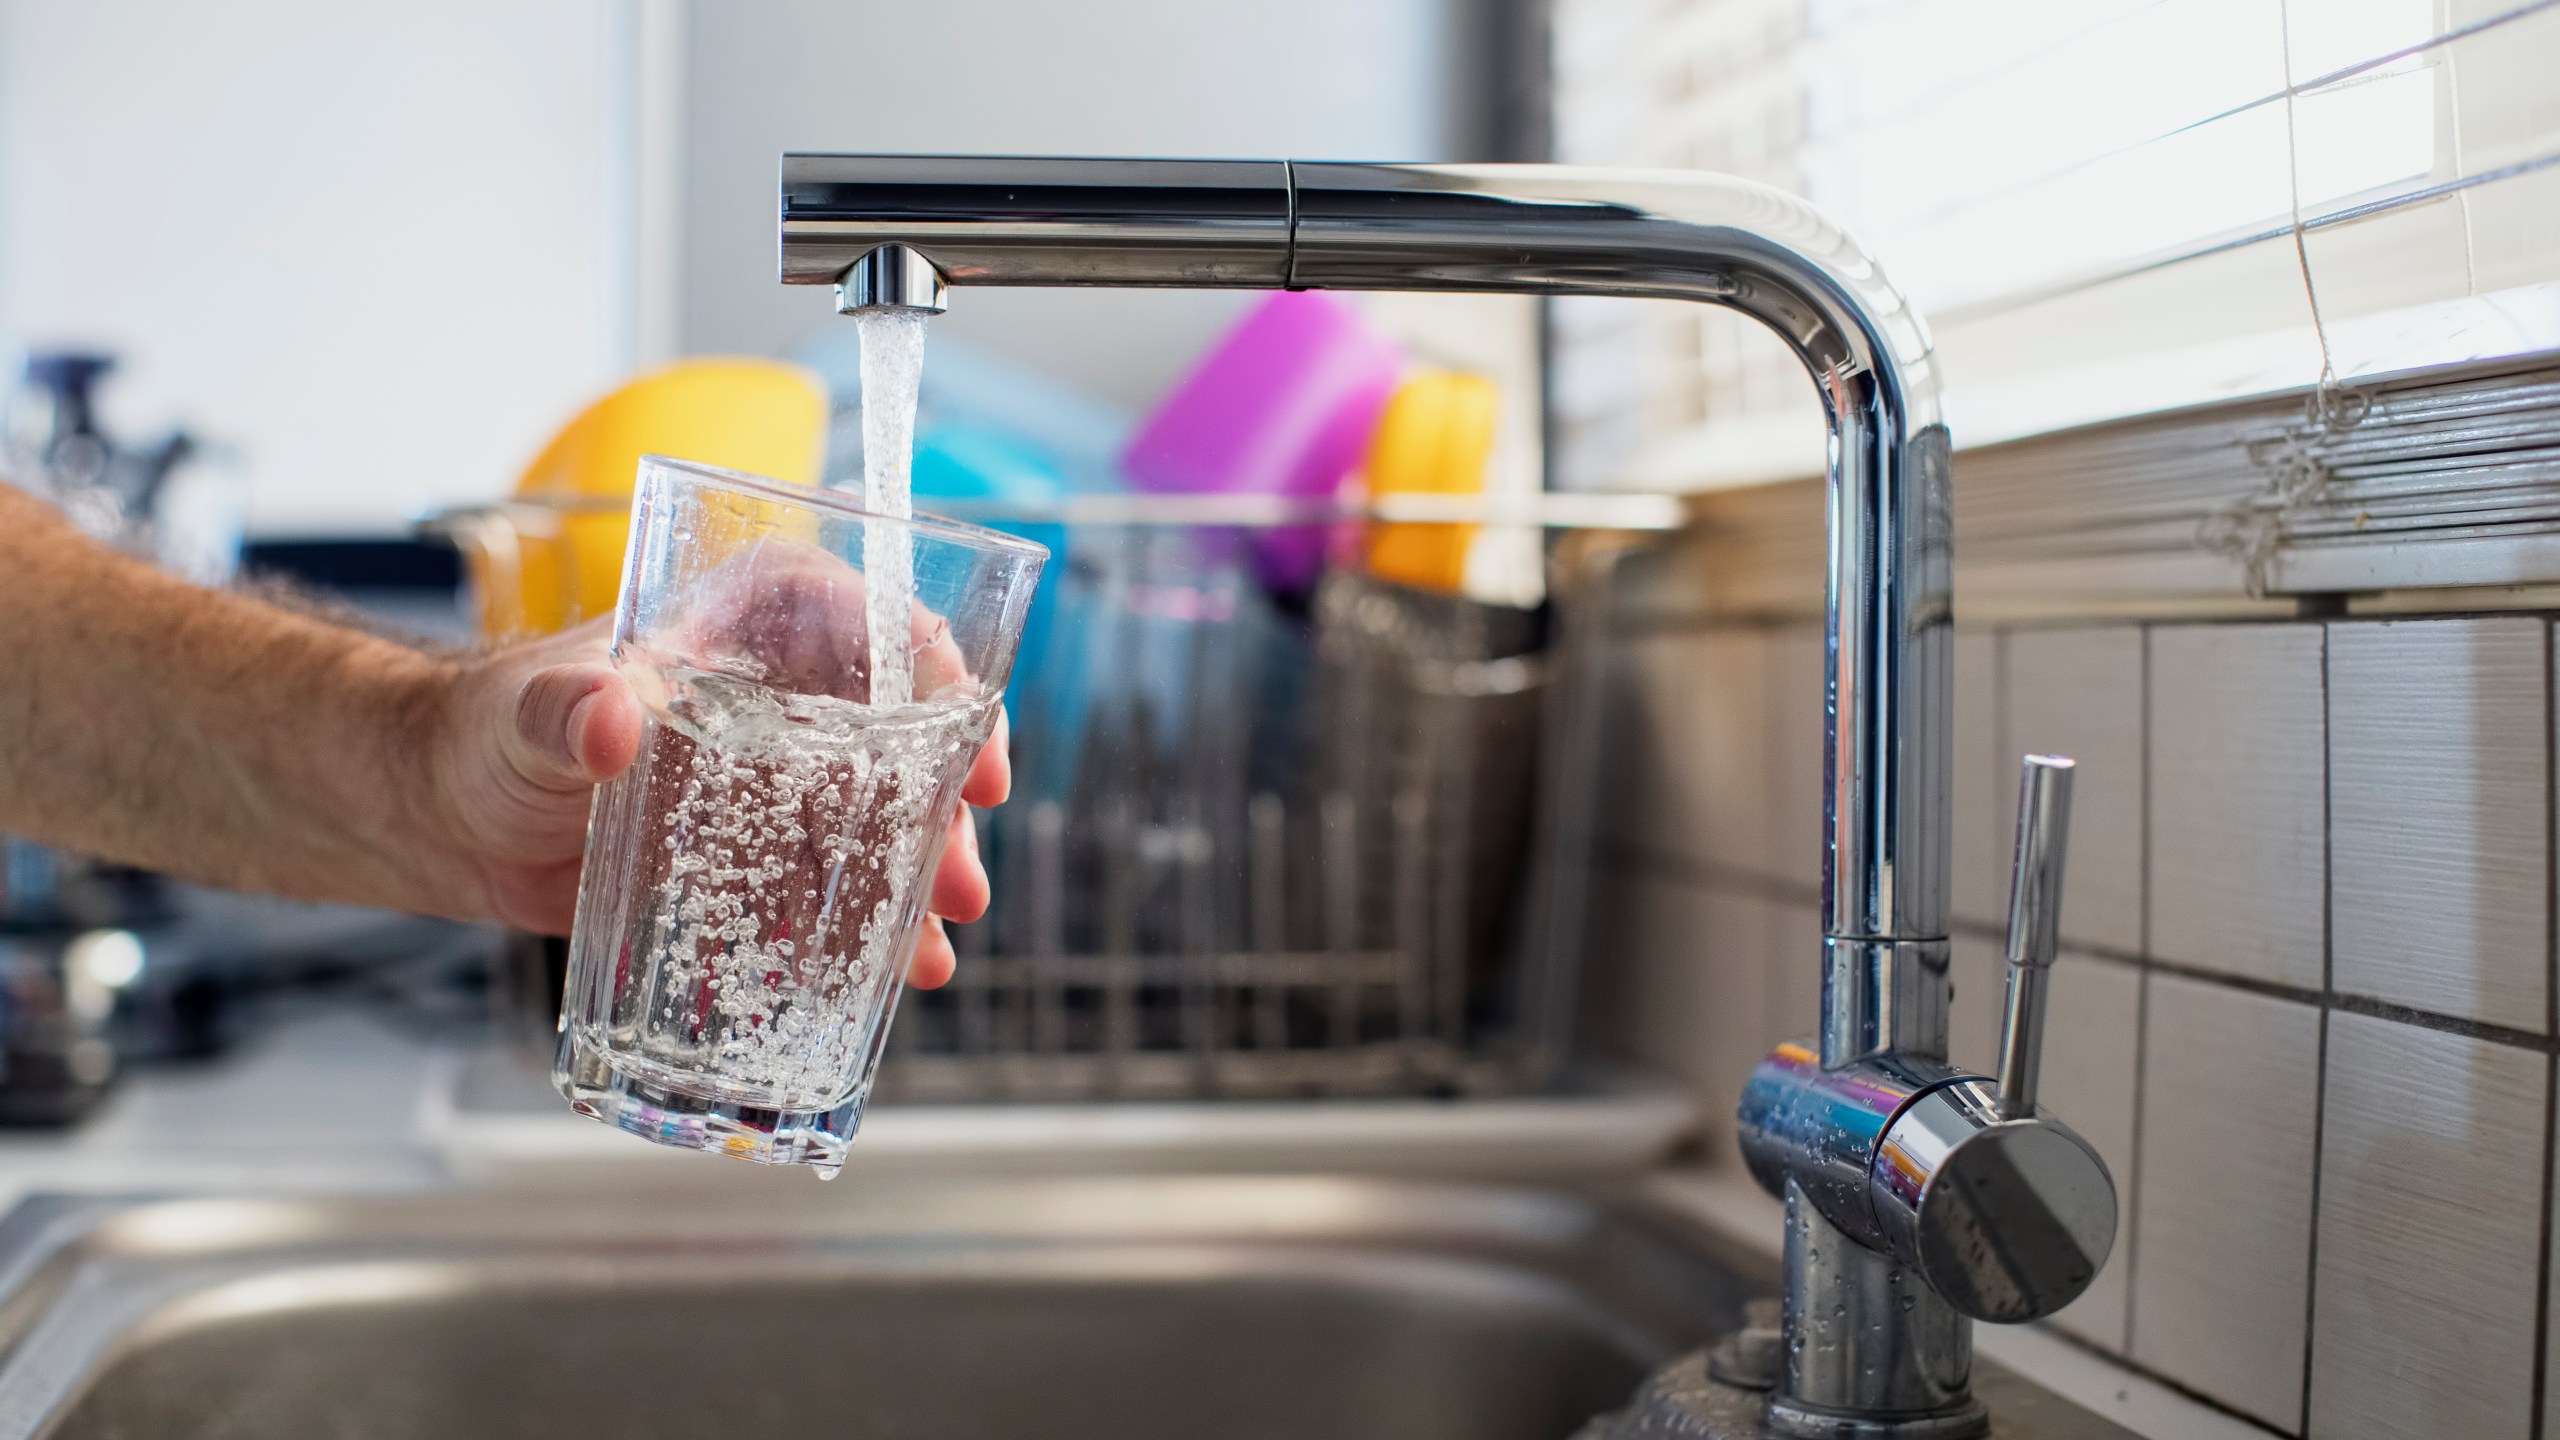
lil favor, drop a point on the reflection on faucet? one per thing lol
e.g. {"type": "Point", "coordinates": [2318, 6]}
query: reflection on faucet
{"type": "Point", "coordinates": [1878, 1283]}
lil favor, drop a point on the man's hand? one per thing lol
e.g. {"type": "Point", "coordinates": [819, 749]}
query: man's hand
{"type": "Point", "coordinates": [219, 738]}
{"type": "Point", "coordinates": [515, 748]}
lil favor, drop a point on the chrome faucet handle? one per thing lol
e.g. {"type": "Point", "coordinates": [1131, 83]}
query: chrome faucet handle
{"type": "Point", "coordinates": [2007, 1214]}
{"type": "Point", "coordinates": [2035, 922]}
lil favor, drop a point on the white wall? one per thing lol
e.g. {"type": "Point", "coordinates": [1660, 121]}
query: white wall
{"type": "Point", "coordinates": [369, 244]}
{"type": "Point", "coordinates": [387, 249]}
{"type": "Point", "coordinates": [1319, 79]}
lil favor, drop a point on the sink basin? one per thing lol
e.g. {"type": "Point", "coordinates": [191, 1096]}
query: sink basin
{"type": "Point", "coordinates": [765, 1306]}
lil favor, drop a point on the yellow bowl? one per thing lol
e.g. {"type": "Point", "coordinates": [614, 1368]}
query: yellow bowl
{"type": "Point", "coordinates": [552, 556]}
{"type": "Point", "coordinates": [1435, 438]}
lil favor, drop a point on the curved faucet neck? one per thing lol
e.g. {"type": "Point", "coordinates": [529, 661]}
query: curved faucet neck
{"type": "Point", "coordinates": [1530, 229]}
{"type": "Point", "coordinates": [1544, 230]}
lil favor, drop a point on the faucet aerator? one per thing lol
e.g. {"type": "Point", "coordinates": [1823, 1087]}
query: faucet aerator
{"type": "Point", "coordinates": [892, 277]}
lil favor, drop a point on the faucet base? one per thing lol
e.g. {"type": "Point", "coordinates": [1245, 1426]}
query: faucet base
{"type": "Point", "coordinates": [1789, 1421]}
{"type": "Point", "coordinates": [1870, 1350]}
{"type": "Point", "coordinates": [1684, 1401]}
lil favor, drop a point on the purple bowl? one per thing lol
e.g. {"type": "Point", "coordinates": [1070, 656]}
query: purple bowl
{"type": "Point", "coordinates": [1283, 405]}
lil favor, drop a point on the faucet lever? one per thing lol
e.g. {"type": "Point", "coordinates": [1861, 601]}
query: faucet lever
{"type": "Point", "coordinates": [2035, 920]}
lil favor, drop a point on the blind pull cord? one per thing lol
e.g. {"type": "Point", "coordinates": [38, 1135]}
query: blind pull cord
{"type": "Point", "coordinates": [2251, 528]}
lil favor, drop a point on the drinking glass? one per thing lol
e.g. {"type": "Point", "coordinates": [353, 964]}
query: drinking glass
{"type": "Point", "coordinates": [756, 881]}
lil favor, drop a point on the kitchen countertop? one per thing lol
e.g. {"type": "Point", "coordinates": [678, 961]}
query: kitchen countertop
{"type": "Point", "coordinates": [339, 1098]}
{"type": "Point", "coordinates": [323, 1099]}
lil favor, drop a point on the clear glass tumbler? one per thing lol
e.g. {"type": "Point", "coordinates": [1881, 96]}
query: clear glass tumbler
{"type": "Point", "coordinates": [755, 883]}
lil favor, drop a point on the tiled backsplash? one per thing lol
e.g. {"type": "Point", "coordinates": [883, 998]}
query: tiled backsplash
{"type": "Point", "coordinates": [2305, 1004]}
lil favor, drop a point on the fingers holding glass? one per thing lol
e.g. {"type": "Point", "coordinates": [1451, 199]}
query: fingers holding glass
{"type": "Point", "coordinates": [762, 875]}
{"type": "Point", "coordinates": [935, 962]}
{"type": "Point", "coordinates": [791, 614]}
{"type": "Point", "coordinates": [960, 880]}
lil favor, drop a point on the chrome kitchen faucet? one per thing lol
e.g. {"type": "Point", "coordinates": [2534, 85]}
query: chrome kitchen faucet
{"type": "Point", "coordinates": [1917, 1195]}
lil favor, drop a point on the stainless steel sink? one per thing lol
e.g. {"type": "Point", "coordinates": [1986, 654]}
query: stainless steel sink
{"type": "Point", "coordinates": [719, 1301]}
{"type": "Point", "coordinates": [1247, 1307]}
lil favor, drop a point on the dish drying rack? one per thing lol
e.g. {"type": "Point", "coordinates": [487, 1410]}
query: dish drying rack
{"type": "Point", "coordinates": [1329, 845]}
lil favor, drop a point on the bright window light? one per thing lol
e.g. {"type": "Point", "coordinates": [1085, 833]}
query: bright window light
{"type": "Point", "coordinates": [2000, 156]}
{"type": "Point", "coordinates": [1999, 149]}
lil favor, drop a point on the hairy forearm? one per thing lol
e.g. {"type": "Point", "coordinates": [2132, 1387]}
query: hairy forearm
{"type": "Point", "coordinates": [209, 735]}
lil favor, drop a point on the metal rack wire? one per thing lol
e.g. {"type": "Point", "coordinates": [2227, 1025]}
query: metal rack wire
{"type": "Point", "coordinates": [1271, 847]}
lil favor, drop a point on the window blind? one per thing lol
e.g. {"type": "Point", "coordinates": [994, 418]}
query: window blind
{"type": "Point", "coordinates": [2104, 207]}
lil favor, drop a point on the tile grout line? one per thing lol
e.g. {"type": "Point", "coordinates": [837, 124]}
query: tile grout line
{"type": "Point", "coordinates": [2542, 1265]}
{"type": "Point", "coordinates": [2375, 1008]}
{"type": "Point", "coordinates": [2162, 1379]}
{"type": "Point", "coordinates": [2320, 1063]}
{"type": "Point", "coordinates": [2141, 999]}
{"type": "Point", "coordinates": [2311, 1250]}
{"type": "Point", "coordinates": [1709, 875]}
{"type": "Point", "coordinates": [2551, 1066]}
{"type": "Point", "coordinates": [2142, 921]}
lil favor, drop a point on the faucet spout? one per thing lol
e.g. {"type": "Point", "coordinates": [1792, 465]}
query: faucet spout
{"type": "Point", "coordinates": [1899, 1366]}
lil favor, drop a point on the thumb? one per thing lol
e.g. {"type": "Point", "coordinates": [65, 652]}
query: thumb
{"type": "Point", "coordinates": [574, 725]}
